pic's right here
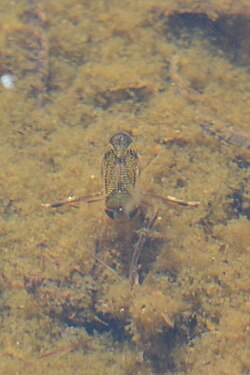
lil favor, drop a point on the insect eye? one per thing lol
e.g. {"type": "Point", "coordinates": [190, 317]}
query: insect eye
{"type": "Point", "coordinates": [110, 213]}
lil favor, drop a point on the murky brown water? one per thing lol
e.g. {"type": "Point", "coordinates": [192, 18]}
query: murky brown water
{"type": "Point", "coordinates": [177, 78]}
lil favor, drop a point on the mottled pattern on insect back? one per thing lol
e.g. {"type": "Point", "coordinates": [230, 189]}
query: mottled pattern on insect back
{"type": "Point", "coordinates": [120, 170]}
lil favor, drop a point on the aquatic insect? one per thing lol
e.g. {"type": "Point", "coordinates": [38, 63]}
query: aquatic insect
{"type": "Point", "coordinates": [121, 169]}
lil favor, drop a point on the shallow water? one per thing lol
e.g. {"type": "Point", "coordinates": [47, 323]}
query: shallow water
{"type": "Point", "coordinates": [177, 79]}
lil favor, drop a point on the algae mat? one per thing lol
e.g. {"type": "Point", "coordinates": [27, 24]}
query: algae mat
{"type": "Point", "coordinates": [176, 77]}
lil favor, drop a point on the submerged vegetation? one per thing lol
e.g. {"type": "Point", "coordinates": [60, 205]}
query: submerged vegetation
{"type": "Point", "coordinates": [176, 77]}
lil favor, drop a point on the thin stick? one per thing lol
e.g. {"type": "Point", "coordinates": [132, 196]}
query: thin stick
{"type": "Point", "coordinates": [107, 266]}
{"type": "Point", "coordinates": [65, 348]}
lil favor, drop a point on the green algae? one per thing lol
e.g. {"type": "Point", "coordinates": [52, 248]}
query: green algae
{"type": "Point", "coordinates": [164, 72]}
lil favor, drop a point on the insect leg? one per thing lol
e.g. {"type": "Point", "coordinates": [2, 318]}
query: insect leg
{"type": "Point", "coordinates": [133, 272]}
{"type": "Point", "coordinates": [171, 199]}
{"type": "Point", "coordinates": [90, 198]}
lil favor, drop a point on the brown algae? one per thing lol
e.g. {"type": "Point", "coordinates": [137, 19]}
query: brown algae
{"type": "Point", "coordinates": [159, 70]}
